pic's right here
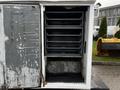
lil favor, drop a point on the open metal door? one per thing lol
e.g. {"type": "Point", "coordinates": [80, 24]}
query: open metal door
{"type": "Point", "coordinates": [23, 53]}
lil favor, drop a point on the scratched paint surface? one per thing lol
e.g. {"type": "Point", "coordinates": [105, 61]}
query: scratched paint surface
{"type": "Point", "coordinates": [21, 26]}
{"type": "Point", "coordinates": [63, 67]}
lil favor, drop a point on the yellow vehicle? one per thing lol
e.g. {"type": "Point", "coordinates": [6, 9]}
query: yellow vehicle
{"type": "Point", "coordinates": [108, 46]}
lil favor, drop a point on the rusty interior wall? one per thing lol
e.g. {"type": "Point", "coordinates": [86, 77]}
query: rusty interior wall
{"type": "Point", "coordinates": [21, 26]}
{"type": "Point", "coordinates": [63, 67]}
{"type": "Point", "coordinates": [66, 65]}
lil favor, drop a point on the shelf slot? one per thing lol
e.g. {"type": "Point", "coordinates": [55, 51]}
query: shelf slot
{"type": "Point", "coordinates": [64, 55]}
{"type": "Point", "coordinates": [65, 41]}
{"type": "Point", "coordinates": [66, 48]}
{"type": "Point", "coordinates": [69, 19]}
{"type": "Point", "coordinates": [63, 12]}
{"type": "Point", "coordinates": [63, 35]}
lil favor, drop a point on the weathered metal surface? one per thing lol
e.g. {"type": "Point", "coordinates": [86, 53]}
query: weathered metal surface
{"type": "Point", "coordinates": [47, 0]}
{"type": "Point", "coordinates": [21, 25]}
{"type": "Point", "coordinates": [63, 67]}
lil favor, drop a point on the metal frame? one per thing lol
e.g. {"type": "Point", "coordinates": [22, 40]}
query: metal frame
{"type": "Point", "coordinates": [88, 30]}
{"type": "Point", "coordinates": [88, 38]}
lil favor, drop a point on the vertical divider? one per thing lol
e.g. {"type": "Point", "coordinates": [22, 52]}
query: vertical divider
{"type": "Point", "coordinates": [42, 34]}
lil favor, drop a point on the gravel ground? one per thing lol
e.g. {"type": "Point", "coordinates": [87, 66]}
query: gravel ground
{"type": "Point", "coordinates": [109, 74]}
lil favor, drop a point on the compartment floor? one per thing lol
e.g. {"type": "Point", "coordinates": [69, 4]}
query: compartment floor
{"type": "Point", "coordinates": [65, 77]}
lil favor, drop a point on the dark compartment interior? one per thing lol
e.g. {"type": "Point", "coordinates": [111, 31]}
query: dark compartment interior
{"type": "Point", "coordinates": [64, 38]}
{"type": "Point", "coordinates": [64, 70]}
{"type": "Point", "coordinates": [68, 77]}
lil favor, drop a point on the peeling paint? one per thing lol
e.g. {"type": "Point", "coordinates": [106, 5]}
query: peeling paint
{"type": "Point", "coordinates": [19, 52]}
{"type": "Point", "coordinates": [27, 77]}
{"type": "Point", "coordinates": [1, 75]}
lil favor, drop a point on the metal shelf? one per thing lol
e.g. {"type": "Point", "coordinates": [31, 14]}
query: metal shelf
{"type": "Point", "coordinates": [66, 48]}
{"type": "Point", "coordinates": [63, 35]}
{"type": "Point", "coordinates": [64, 41]}
{"type": "Point", "coordinates": [64, 55]}
{"type": "Point", "coordinates": [64, 27]}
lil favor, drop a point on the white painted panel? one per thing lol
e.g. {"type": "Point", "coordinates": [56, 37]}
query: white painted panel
{"type": "Point", "coordinates": [3, 38]}
{"type": "Point", "coordinates": [66, 85]}
{"type": "Point", "coordinates": [42, 36]}
{"type": "Point", "coordinates": [89, 46]}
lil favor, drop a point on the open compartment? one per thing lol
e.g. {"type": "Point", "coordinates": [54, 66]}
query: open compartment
{"type": "Point", "coordinates": [64, 30]}
{"type": "Point", "coordinates": [64, 44]}
{"type": "Point", "coordinates": [67, 70]}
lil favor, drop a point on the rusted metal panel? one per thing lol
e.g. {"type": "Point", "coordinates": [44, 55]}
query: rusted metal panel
{"type": "Point", "coordinates": [21, 24]}
{"type": "Point", "coordinates": [63, 67]}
